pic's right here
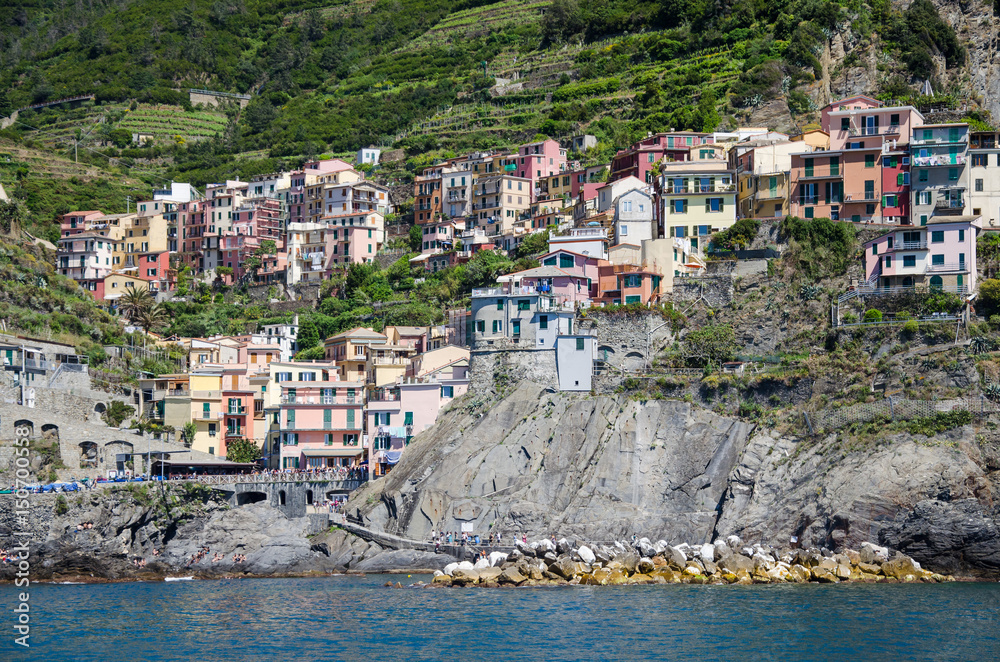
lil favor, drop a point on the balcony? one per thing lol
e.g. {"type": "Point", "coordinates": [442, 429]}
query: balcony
{"type": "Point", "coordinates": [947, 267]}
{"type": "Point", "coordinates": [940, 160]}
{"type": "Point", "coordinates": [817, 173]}
{"type": "Point", "coordinates": [320, 400]}
{"type": "Point", "coordinates": [390, 360]}
{"type": "Point", "coordinates": [236, 411]}
{"type": "Point", "coordinates": [949, 207]}
{"type": "Point", "coordinates": [909, 246]}
{"type": "Point", "coordinates": [768, 194]}
{"type": "Point", "coordinates": [207, 416]}
{"type": "Point", "coordinates": [891, 130]}
{"type": "Point", "coordinates": [866, 196]}
{"type": "Point", "coordinates": [940, 140]}
{"type": "Point", "coordinates": [235, 433]}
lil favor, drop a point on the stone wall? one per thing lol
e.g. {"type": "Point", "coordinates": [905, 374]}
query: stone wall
{"type": "Point", "coordinates": [624, 338]}
{"type": "Point", "coordinates": [715, 291]}
{"type": "Point", "coordinates": [493, 369]}
{"type": "Point", "coordinates": [290, 498]}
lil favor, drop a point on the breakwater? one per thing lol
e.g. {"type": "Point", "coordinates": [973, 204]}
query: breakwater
{"type": "Point", "coordinates": [547, 562]}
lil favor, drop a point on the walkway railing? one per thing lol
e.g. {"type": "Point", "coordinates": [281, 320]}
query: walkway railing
{"type": "Point", "coordinates": [357, 477]}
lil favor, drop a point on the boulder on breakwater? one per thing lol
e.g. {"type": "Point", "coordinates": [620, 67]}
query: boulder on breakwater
{"type": "Point", "coordinates": [722, 562]}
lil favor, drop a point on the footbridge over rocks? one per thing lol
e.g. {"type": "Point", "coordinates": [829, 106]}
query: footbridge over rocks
{"type": "Point", "coordinates": [467, 552]}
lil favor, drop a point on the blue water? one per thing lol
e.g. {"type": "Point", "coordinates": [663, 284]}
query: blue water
{"type": "Point", "coordinates": [353, 618]}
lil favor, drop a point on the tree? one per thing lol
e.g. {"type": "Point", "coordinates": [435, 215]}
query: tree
{"type": "Point", "coordinates": [117, 412]}
{"type": "Point", "coordinates": [134, 301]}
{"type": "Point", "coordinates": [485, 267]}
{"type": "Point", "coordinates": [740, 235]}
{"type": "Point", "coordinates": [308, 334]}
{"type": "Point", "coordinates": [562, 21]}
{"type": "Point", "coordinates": [188, 432]}
{"type": "Point", "coordinates": [11, 216]}
{"type": "Point", "coordinates": [711, 344]}
{"type": "Point", "coordinates": [312, 26]}
{"type": "Point", "coordinates": [153, 317]}
{"type": "Point", "coordinates": [533, 244]}
{"type": "Point", "coordinates": [989, 296]}
{"type": "Point", "coordinates": [242, 450]}
{"type": "Point", "coordinates": [416, 238]}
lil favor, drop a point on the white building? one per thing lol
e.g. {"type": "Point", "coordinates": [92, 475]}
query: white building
{"type": "Point", "coordinates": [633, 217]}
{"type": "Point", "coordinates": [575, 356]}
{"type": "Point", "coordinates": [176, 193]}
{"type": "Point", "coordinates": [283, 334]}
{"type": "Point", "coordinates": [607, 194]}
{"type": "Point", "coordinates": [368, 155]}
{"type": "Point", "coordinates": [592, 242]}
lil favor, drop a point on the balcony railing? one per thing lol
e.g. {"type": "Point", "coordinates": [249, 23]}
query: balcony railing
{"type": "Point", "coordinates": [909, 246]}
{"type": "Point", "coordinates": [940, 140]}
{"type": "Point", "coordinates": [320, 400]}
{"type": "Point", "coordinates": [940, 160]}
{"type": "Point", "coordinates": [945, 203]}
{"type": "Point", "coordinates": [818, 173]}
{"type": "Point", "coordinates": [236, 411]}
{"type": "Point", "coordinates": [768, 194]}
{"type": "Point", "coordinates": [892, 129]}
{"type": "Point", "coordinates": [947, 266]}
{"type": "Point", "coordinates": [866, 196]}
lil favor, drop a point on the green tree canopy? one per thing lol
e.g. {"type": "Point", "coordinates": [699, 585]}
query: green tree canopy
{"type": "Point", "coordinates": [242, 450]}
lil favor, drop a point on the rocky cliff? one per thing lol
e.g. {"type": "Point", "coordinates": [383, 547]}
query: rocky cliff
{"type": "Point", "coordinates": [184, 530]}
{"type": "Point", "coordinates": [603, 468]}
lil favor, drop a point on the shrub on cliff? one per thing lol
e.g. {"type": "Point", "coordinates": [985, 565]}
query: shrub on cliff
{"type": "Point", "coordinates": [818, 248]}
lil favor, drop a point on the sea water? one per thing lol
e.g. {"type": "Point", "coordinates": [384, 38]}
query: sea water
{"type": "Point", "coordinates": [357, 618]}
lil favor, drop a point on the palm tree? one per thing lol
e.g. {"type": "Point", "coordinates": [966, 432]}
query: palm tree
{"type": "Point", "coordinates": [134, 302]}
{"type": "Point", "coordinates": [152, 317]}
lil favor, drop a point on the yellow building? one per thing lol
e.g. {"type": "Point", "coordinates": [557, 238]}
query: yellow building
{"type": "Point", "coordinates": [697, 197]}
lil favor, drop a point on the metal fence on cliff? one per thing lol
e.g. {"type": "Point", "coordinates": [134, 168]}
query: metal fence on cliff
{"type": "Point", "coordinates": [896, 409]}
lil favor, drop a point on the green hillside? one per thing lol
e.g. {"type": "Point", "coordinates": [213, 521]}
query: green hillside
{"type": "Point", "coordinates": [335, 75]}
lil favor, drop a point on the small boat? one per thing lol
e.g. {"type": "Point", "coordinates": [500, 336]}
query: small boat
{"type": "Point", "coordinates": [178, 579]}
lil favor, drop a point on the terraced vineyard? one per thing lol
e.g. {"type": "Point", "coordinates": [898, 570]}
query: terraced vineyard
{"type": "Point", "coordinates": [539, 73]}
{"type": "Point", "coordinates": [40, 164]}
{"type": "Point", "coordinates": [166, 123]}
{"type": "Point", "coordinates": [479, 21]}
{"type": "Point", "coordinates": [56, 127]}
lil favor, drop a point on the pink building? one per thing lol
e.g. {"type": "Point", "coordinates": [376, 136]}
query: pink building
{"type": "Point", "coordinates": [398, 413]}
{"type": "Point", "coordinates": [860, 117]}
{"type": "Point", "coordinates": [541, 159]}
{"type": "Point", "coordinates": [237, 404]}
{"type": "Point", "coordinates": [86, 258]}
{"type": "Point", "coordinates": [938, 256]}
{"type": "Point", "coordinates": [576, 264]}
{"type": "Point", "coordinates": [76, 222]}
{"type": "Point", "coordinates": [191, 221]}
{"type": "Point", "coordinates": [321, 424]}
{"type": "Point", "coordinates": [550, 281]}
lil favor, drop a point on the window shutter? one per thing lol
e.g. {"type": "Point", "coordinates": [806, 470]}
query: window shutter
{"type": "Point", "coordinates": [708, 204]}
{"type": "Point", "coordinates": [899, 179]}
{"type": "Point", "coordinates": [722, 204]}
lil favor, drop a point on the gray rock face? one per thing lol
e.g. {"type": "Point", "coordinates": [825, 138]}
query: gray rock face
{"type": "Point", "coordinates": [932, 502]}
{"type": "Point", "coordinates": [392, 560]}
{"type": "Point", "coordinates": [597, 468]}
{"type": "Point", "coordinates": [934, 530]}
{"type": "Point", "coordinates": [604, 468]}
